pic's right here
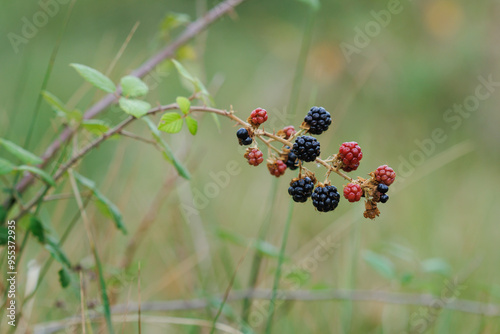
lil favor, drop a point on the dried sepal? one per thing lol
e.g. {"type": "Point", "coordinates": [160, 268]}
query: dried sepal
{"type": "Point", "coordinates": [308, 174]}
{"type": "Point", "coordinates": [305, 126]}
{"type": "Point", "coordinates": [371, 210]}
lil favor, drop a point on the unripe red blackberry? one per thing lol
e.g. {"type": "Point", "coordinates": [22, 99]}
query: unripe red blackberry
{"type": "Point", "coordinates": [350, 154]}
{"type": "Point", "coordinates": [289, 131]}
{"type": "Point", "coordinates": [318, 120]}
{"type": "Point", "coordinates": [301, 189]}
{"type": "Point", "coordinates": [353, 192]}
{"type": "Point", "coordinates": [254, 156]}
{"type": "Point", "coordinates": [277, 168]}
{"type": "Point", "coordinates": [306, 148]}
{"type": "Point", "coordinates": [257, 117]}
{"type": "Point", "coordinates": [325, 198]}
{"type": "Point", "coordinates": [385, 174]}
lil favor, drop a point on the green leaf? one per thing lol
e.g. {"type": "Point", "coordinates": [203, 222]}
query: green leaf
{"type": "Point", "coordinates": [6, 167]}
{"type": "Point", "coordinates": [172, 21]}
{"type": "Point", "coordinates": [403, 252]}
{"type": "Point", "coordinates": [298, 276]}
{"type": "Point", "coordinates": [192, 125]}
{"type": "Point", "coordinates": [321, 286]}
{"type": "Point", "coordinates": [170, 122]}
{"type": "Point", "coordinates": [55, 103]}
{"type": "Point", "coordinates": [231, 237]}
{"type": "Point", "coordinates": [64, 277]}
{"type": "Point", "coordinates": [265, 248]}
{"type": "Point", "coordinates": [95, 77]}
{"type": "Point", "coordinates": [4, 235]}
{"type": "Point", "coordinates": [380, 263]}
{"type": "Point", "coordinates": [205, 95]}
{"type": "Point", "coordinates": [56, 252]}
{"type": "Point", "coordinates": [207, 100]}
{"type": "Point", "coordinates": [20, 153]}
{"type": "Point", "coordinates": [436, 265]}
{"type": "Point", "coordinates": [60, 108]}
{"type": "Point", "coordinates": [113, 209]}
{"type": "Point", "coordinates": [406, 278]}
{"type": "Point", "coordinates": [167, 151]}
{"type": "Point", "coordinates": [104, 294]}
{"type": "Point", "coordinates": [133, 86]}
{"type": "Point", "coordinates": [136, 108]}
{"type": "Point", "coordinates": [198, 87]}
{"type": "Point", "coordinates": [184, 104]}
{"type": "Point", "coordinates": [37, 229]}
{"type": "Point", "coordinates": [43, 175]}
{"type": "Point", "coordinates": [3, 213]}
{"type": "Point", "coordinates": [95, 126]}
{"type": "Point", "coordinates": [183, 72]}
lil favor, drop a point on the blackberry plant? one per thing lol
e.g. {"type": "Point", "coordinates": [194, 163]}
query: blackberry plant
{"type": "Point", "coordinates": [287, 148]}
{"type": "Point", "coordinates": [291, 149]}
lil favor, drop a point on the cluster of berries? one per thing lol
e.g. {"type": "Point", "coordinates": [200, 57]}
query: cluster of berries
{"type": "Point", "coordinates": [306, 148]}
{"type": "Point", "coordinates": [382, 178]}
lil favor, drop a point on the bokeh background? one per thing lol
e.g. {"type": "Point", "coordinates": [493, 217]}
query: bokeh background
{"type": "Point", "coordinates": [440, 225]}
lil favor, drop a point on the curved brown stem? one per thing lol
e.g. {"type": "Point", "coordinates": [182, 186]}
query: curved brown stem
{"type": "Point", "coordinates": [189, 33]}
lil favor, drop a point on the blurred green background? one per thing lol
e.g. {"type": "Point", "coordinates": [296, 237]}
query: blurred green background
{"type": "Point", "coordinates": [441, 220]}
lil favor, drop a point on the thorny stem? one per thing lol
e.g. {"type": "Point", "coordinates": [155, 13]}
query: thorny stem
{"type": "Point", "coordinates": [139, 138]}
{"type": "Point", "coordinates": [268, 143]}
{"type": "Point", "coordinates": [327, 175]}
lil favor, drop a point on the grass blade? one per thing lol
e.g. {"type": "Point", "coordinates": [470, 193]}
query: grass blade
{"type": "Point", "coordinates": [257, 257]}
{"type": "Point", "coordinates": [86, 223]}
{"type": "Point", "coordinates": [104, 294]}
{"type": "Point", "coordinates": [277, 277]}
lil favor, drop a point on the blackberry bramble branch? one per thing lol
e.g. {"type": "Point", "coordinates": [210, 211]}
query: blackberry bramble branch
{"type": "Point", "coordinates": [291, 149]}
{"type": "Point", "coordinates": [294, 149]}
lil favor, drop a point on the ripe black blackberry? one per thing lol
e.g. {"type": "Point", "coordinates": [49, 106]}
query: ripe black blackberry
{"type": "Point", "coordinates": [301, 189]}
{"type": "Point", "coordinates": [243, 137]}
{"type": "Point", "coordinates": [306, 148]}
{"type": "Point", "coordinates": [382, 188]}
{"type": "Point", "coordinates": [246, 141]}
{"type": "Point", "coordinates": [318, 120]}
{"type": "Point", "coordinates": [242, 133]}
{"type": "Point", "coordinates": [325, 198]}
{"type": "Point", "coordinates": [384, 198]}
{"type": "Point", "coordinates": [291, 162]}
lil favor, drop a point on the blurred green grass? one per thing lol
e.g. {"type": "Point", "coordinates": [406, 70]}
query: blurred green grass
{"type": "Point", "coordinates": [395, 92]}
